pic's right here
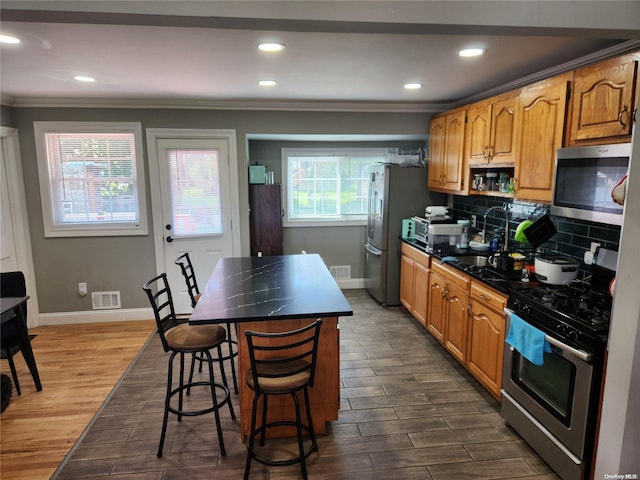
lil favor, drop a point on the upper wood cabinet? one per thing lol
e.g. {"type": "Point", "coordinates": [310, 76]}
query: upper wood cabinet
{"type": "Point", "coordinates": [446, 142]}
{"type": "Point", "coordinates": [490, 133]}
{"type": "Point", "coordinates": [541, 112]}
{"type": "Point", "coordinates": [603, 102]}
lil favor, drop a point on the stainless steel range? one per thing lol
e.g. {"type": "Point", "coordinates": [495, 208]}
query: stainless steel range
{"type": "Point", "coordinates": [554, 406]}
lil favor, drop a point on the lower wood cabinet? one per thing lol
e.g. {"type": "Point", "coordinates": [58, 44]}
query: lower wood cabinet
{"type": "Point", "coordinates": [486, 336]}
{"type": "Point", "coordinates": [414, 281]}
{"type": "Point", "coordinates": [465, 315]}
{"type": "Point", "coordinates": [447, 309]}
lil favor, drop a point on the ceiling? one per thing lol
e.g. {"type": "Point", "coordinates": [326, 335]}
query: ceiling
{"type": "Point", "coordinates": [339, 55]}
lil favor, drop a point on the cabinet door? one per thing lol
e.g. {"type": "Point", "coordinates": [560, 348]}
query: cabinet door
{"type": "Point", "coordinates": [503, 130]}
{"type": "Point", "coordinates": [420, 293]}
{"type": "Point", "coordinates": [477, 134]}
{"type": "Point", "coordinates": [436, 152]}
{"type": "Point", "coordinates": [541, 111]}
{"type": "Point", "coordinates": [603, 101]}
{"type": "Point", "coordinates": [436, 306]}
{"type": "Point", "coordinates": [406, 282]}
{"type": "Point", "coordinates": [486, 345]}
{"type": "Point", "coordinates": [454, 152]}
{"type": "Point", "coordinates": [457, 303]}
{"type": "Point", "coordinates": [265, 219]}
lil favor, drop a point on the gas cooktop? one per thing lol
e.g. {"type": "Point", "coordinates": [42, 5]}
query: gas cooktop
{"type": "Point", "coordinates": [588, 308]}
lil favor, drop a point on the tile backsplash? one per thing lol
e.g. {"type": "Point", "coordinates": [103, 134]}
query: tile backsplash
{"type": "Point", "coordinates": [574, 236]}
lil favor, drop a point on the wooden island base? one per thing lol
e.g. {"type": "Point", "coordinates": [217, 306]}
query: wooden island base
{"type": "Point", "coordinates": [324, 396]}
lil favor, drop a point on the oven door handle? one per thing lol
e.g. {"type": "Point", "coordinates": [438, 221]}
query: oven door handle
{"type": "Point", "coordinates": [584, 356]}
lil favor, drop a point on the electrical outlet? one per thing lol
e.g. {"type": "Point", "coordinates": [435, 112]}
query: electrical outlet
{"type": "Point", "coordinates": [474, 220]}
{"type": "Point", "coordinates": [82, 289]}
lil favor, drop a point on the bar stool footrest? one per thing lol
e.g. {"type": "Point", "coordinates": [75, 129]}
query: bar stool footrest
{"type": "Point", "coordinates": [292, 461]}
{"type": "Point", "coordinates": [193, 413]}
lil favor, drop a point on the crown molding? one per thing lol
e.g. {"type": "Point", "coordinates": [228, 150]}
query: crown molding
{"type": "Point", "coordinates": [207, 104]}
{"type": "Point", "coordinates": [620, 49]}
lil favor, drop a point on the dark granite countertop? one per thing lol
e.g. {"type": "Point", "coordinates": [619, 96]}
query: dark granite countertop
{"type": "Point", "coordinates": [487, 275]}
{"type": "Point", "coordinates": [267, 288]}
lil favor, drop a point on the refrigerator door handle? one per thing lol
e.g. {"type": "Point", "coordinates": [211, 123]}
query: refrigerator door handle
{"type": "Point", "coordinates": [371, 249]}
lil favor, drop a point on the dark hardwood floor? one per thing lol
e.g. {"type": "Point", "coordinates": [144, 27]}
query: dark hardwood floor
{"type": "Point", "coordinates": [408, 411]}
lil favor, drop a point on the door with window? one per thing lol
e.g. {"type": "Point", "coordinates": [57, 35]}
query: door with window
{"type": "Point", "coordinates": [8, 261]}
{"type": "Point", "coordinates": [196, 208]}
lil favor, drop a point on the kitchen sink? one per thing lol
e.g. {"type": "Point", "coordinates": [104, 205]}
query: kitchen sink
{"type": "Point", "coordinates": [473, 260]}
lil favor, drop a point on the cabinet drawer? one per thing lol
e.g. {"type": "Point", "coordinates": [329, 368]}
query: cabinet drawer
{"type": "Point", "coordinates": [488, 296]}
{"type": "Point", "coordinates": [452, 275]}
{"type": "Point", "coordinates": [415, 255]}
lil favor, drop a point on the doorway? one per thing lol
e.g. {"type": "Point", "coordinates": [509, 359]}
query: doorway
{"type": "Point", "coordinates": [195, 202]}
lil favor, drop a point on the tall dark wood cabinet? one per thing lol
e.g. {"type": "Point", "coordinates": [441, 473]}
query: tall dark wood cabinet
{"type": "Point", "coordinates": [265, 219]}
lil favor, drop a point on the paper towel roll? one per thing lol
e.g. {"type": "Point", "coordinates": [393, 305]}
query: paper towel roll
{"type": "Point", "coordinates": [436, 210]}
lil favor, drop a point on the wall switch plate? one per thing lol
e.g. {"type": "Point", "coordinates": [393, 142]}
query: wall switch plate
{"type": "Point", "coordinates": [82, 289]}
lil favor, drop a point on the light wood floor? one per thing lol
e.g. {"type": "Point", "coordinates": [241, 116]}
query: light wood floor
{"type": "Point", "coordinates": [79, 366]}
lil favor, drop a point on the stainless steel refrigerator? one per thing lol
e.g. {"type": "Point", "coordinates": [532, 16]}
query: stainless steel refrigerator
{"type": "Point", "coordinates": [395, 193]}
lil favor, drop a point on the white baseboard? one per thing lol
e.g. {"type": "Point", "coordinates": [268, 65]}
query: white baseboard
{"type": "Point", "coordinates": [351, 283]}
{"type": "Point", "coordinates": [121, 315]}
{"type": "Point", "coordinates": [95, 316]}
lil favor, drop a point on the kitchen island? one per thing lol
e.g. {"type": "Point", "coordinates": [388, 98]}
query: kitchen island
{"type": "Point", "coordinates": [276, 294]}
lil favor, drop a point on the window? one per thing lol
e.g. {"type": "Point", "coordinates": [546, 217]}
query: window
{"type": "Point", "coordinates": [91, 178]}
{"type": "Point", "coordinates": [327, 186]}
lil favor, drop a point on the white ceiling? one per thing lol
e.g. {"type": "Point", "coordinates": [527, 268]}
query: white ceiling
{"type": "Point", "coordinates": [343, 54]}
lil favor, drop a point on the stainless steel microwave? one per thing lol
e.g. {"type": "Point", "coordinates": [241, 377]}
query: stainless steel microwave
{"type": "Point", "coordinates": [584, 179]}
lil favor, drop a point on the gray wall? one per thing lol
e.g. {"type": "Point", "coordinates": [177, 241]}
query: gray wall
{"type": "Point", "coordinates": [336, 245]}
{"type": "Point", "coordinates": [125, 263]}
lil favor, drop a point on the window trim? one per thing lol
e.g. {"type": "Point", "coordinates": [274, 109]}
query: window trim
{"type": "Point", "coordinates": [52, 229]}
{"type": "Point", "coordinates": [330, 221]}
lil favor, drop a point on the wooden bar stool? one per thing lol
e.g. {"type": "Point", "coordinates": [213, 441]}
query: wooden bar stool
{"type": "Point", "coordinates": [180, 339]}
{"type": "Point", "coordinates": [184, 262]}
{"type": "Point", "coordinates": [282, 364]}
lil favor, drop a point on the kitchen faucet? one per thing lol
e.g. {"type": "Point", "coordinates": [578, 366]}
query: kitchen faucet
{"type": "Point", "coordinates": [505, 211]}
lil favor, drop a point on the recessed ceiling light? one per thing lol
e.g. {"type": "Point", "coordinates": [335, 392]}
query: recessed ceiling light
{"type": "Point", "coordinates": [471, 52]}
{"type": "Point", "coordinates": [271, 47]}
{"type": "Point", "coordinates": [83, 78]}
{"type": "Point", "coordinates": [412, 86]}
{"type": "Point", "coordinates": [9, 39]}
{"type": "Point", "coordinates": [267, 83]}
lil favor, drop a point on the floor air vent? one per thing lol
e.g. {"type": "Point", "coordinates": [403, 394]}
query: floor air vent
{"type": "Point", "coordinates": [341, 272]}
{"type": "Point", "coordinates": [104, 300]}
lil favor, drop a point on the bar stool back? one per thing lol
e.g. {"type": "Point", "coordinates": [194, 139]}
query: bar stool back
{"type": "Point", "coordinates": [184, 262]}
{"type": "Point", "coordinates": [282, 364]}
{"type": "Point", "coordinates": [180, 339]}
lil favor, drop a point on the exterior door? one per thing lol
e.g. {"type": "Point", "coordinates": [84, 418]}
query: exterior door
{"type": "Point", "coordinates": [196, 208]}
{"type": "Point", "coordinates": [8, 260]}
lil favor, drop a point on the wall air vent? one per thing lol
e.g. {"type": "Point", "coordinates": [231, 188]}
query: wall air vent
{"type": "Point", "coordinates": [105, 300]}
{"type": "Point", "coordinates": [340, 272]}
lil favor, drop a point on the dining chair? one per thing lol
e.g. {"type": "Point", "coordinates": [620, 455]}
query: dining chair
{"type": "Point", "coordinates": [186, 267]}
{"type": "Point", "coordinates": [282, 364]}
{"type": "Point", "coordinates": [12, 284]}
{"type": "Point", "coordinates": [180, 338]}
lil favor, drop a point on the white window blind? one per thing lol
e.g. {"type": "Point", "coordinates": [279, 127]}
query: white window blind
{"type": "Point", "coordinates": [195, 192]}
{"type": "Point", "coordinates": [92, 183]}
